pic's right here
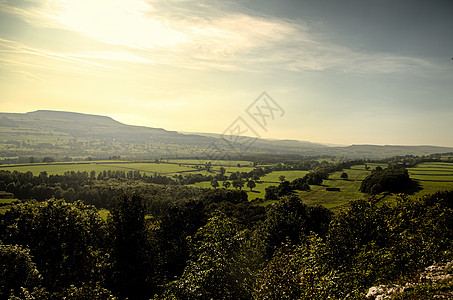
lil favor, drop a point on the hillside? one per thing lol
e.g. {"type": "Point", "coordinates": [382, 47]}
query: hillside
{"type": "Point", "coordinates": [77, 125]}
{"type": "Point", "coordinates": [68, 134]}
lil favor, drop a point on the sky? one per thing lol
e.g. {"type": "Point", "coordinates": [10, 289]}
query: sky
{"type": "Point", "coordinates": [335, 72]}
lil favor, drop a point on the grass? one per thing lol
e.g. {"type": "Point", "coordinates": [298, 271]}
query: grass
{"type": "Point", "coordinates": [268, 180]}
{"type": "Point", "coordinates": [289, 175]}
{"type": "Point", "coordinates": [224, 163]}
{"type": "Point", "coordinates": [7, 201]}
{"type": "Point", "coordinates": [164, 168]}
{"type": "Point", "coordinates": [349, 189]}
{"type": "Point", "coordinates": [61, 168]}
{"type": "Point", "coordinates": [432, 177]}
{"type": "Point", "coordinates": [5, 204]}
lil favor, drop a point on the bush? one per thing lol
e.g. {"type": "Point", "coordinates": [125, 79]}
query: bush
{"type": "Point", "coordinates": [387, 180]}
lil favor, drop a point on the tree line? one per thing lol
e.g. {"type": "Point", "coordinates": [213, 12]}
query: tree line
{"type": "Point", "coordinates": [218, 246]}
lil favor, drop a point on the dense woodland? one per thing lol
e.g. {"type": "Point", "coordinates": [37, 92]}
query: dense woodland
{"type": "Point", "coordinates": [171, 241]}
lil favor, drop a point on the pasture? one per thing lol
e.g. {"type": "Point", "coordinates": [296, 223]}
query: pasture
{"type": "Point", "coordinates": [433, 177]}
{"type": "Point", "coordinates": [265, 181]}
{"type": "Point", "coordinates": [349, 188]}
{"type": "Point", "coordinates": [166, 168]}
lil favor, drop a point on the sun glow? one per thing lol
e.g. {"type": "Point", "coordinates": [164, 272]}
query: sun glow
{"type": "Point", "coordinates": [117, 22]}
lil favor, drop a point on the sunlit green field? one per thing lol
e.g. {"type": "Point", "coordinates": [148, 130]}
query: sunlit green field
{"type": "Point", "coordinates": [225, 163]}
{"type": "Point", "coordinates": [61, 168]}
{"type": "Point", "coordinates": [433, 176]}
{"type": "Point", "coordinates": [163, 168]}
{"type": "Point", "coordinates": [349, 188]}
{"type": "Point", "coordinates": [268, 180]}
{"type": "Point", "coordinates": [7, 201]}
{"type": "Point", "coordinates": [5, 204]}
{"type": "Point", "coordinates": [289, 175]}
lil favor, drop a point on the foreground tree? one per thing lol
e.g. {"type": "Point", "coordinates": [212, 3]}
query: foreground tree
{"type": "Point", "coordinates": [130, 250]}
{"type": "Point", "coordinates": [175, 226]}
{"type": "Point", "coordinates": [217, 269]}
{"type": "Point", "coordinates": [296, 272]}
{"type": "Point", "coordinates": [17, 271]}
{"type": "Point", "coordinates": [65, 240]}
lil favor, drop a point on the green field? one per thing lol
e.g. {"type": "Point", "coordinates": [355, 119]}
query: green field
{"type": "Point", "coordinates": [289, 175]}
{"type": "Point", "coordinates": [432, 177]}
{"type": "Point", "coordinates": [5, 204]}
{"type": "Point", "coordinates": [7, 201]}
{"type": "Point", "coordinates": [224, 163]}
{"type": "Point", "coordinates": [164, 168]}
{"type": "Point", "coordinates": [349, 188]}
{"type": "Point", "coordinates": [257, 192]}
{"type": "Point", "coordinates": [267, 180]}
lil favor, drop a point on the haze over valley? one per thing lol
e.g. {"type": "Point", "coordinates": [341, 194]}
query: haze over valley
{"type": "Point", "coordinates": [240, 149]}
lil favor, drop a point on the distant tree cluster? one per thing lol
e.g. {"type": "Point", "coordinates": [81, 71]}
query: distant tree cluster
{"type": "Point", "coordinates": [386, 180]}
{"type": "Point", "coordinates": [301, 184]}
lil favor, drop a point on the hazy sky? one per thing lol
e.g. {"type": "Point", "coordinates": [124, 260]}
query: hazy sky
{"type": "Point", "coordinates": [344, 72]}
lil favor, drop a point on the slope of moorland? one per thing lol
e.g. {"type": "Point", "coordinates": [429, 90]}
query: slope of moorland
{"type": "Point", "coordinates": [68, 134]}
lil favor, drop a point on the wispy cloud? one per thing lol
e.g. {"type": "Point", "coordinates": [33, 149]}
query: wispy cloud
{"type": "Point", "coordinates": [33, 63]}
{"type": "Point", "coordinates": [203, 35]}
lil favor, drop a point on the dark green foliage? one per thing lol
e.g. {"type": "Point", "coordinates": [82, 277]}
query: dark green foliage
{"type": "Point", "coordinates": [275, 192]}
{"type": "Point", "coordinates": [271, 193]}
{"type": "Point", "coordinates": [372, 244]}
{"type": "Point", "coordinates": [251, 184]}
{"type": "Point", "coordinates": [238, 183]}
{"type": "Point", "coordinates": [288, 221]}
{"type": "Point", "coordinates": [217, 269]}
{"type": "Point", "coordinates": [48, 160]}
{"type": "Point", "coordinates": [244, 214]}
{"type": "Point", "coordinates": [85, 292]}
{"type": "Point", "coordinates": [284, 189]}
{"type": "Point", "coordinates": [319, 219]}
{"type": "Point", "coordinates": [17, 270]}
{"type": "Point", "coordinates": [300, 184]}
{"type": "Point", "coordinates": [130, 253]}
{"type": "Point", "coordinates": [214, 183]}
{"type": "Point", "coordinates": [296, 272]}
{"type": "Point", "coordinates": [64, 239]}
{"type": "Point", "coordinates": [386, 180]}
{"type": "Point", "coordinates": [219, 195]}
{"type": "Point", "coordinates": [163, 243]}
{"type": "Point", "coordinates": [315, 178]}
{"type": "Point", "coordinates": [177, 224]}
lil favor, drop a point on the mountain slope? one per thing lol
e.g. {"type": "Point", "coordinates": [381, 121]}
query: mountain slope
{"type": "Point", "coordinates": [57, 133]}
{"type": "Point", "coordinates": [79, 125]}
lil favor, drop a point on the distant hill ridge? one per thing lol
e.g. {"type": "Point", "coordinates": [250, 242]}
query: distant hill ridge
{"type": "Point", "coordinates": [19, 127]}
{"type": "Point", "coordinates": [71, 116]}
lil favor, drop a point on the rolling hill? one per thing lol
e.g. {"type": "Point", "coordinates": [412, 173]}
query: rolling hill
{"type": "Point", "coordinates": [68, 134]}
